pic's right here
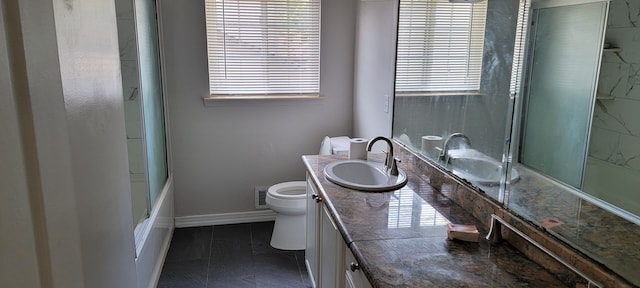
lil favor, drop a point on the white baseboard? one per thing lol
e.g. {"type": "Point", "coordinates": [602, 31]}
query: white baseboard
{"type": "Point", "coordinates": [225, 218]}
{"type": "Point", "coordinates": [310, 273]}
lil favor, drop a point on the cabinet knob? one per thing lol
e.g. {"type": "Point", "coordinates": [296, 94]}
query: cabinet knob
{"type": "Point", "coordinates": [316, 197]}
{"type": "Point", "coordinates": [354, 266]}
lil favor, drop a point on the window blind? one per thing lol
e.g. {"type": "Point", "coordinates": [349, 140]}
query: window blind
{"type": "Point", "coordinates": [263, 47]}
{"type": "Point", "coordinates": [520, 47]}
{"type": "Point", "coordinates": [440, 46]}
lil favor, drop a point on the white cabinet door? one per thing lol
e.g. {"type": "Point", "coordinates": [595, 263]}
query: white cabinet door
{"type": "Point", "coordinates": [324, 254]}
{"type": "Point", "coordinates": [313, 222]}
{"type": "Point", "coordinates": [332, 253]}
{"type": "Point", "coordinates": [354, 277]}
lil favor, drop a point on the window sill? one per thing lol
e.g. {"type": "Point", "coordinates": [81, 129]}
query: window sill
{"type": "Point", "coordinates": [433, 94]}
{"type": "Point", "coordinates": [216, 98]}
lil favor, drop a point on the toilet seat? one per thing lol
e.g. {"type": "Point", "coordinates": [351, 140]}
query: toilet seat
{"type": "Point", "coordinates": [288, 190]}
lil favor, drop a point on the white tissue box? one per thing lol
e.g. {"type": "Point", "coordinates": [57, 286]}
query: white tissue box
{"type": "Point", "coordinates": [341, 151]}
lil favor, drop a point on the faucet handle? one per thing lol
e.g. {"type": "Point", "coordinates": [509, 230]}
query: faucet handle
{"type": "Point", "coordinates": [386, 158]}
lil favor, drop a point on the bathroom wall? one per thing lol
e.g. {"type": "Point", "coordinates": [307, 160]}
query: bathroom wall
{"type": "Point", "coordinates": [615, 132]}
{"type": "Point", "coordinates": [64, 68]}
{"type": "Point", "coordinates": [19, 261]}
{"type": "Point", "coordinates": [223, 150]}
{"type": "Point", "coordinates": [374, 67]}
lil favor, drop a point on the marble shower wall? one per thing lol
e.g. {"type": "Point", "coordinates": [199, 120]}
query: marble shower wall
{"type": "Point", "coordinates": [616, 125]}
{"type": "Point", "coordinates": [129, 67]}
{"type": "Point", "coordinates": [615, 133]}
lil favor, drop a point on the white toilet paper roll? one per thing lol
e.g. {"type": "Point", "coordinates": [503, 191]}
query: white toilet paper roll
{"type": "Point", "coordinates": [358, 149]}
{"type": "Point", "coordinates": [429, 144]}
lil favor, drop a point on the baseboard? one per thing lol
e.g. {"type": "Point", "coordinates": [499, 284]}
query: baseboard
{"type": "Point", "coordinates": [313, 281]}
{"type": "Point", "coordinates": [225, 218]}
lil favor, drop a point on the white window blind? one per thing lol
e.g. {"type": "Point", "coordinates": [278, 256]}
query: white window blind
{"type": "Point", "coordinates": [520, 47]}
{"type": "Point", "coordinates": [263, 48]}
{"type": "Point", "coordinates": [440, 46]}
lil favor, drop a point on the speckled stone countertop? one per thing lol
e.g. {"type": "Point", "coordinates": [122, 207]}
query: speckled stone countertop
{"type": "Point", "coordinates": [601, 235]}
{"type": "Point", "coordinates": [399, 238]}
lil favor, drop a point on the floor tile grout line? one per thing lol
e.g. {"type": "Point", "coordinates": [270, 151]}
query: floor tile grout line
{"type": "Point", "coordinates": [253, 253]}
{"type": "Point", "coordinates": [295, 255]}
{"type": "Point", "coordinates": [206, 282]}
{"type": "Point", "coordinates": [255, 279]}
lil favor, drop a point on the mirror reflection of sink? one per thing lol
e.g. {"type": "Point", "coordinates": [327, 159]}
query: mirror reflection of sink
{"type": "Point", "coordinates": [484, 171]}
{"type": "Point", "coordinates": [364, 176]}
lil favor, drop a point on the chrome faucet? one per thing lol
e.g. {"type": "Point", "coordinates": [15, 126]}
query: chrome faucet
{"type": "Point", "coordinates": [390, 162]}
{"type": "Point", "coordinates": [444, 153]}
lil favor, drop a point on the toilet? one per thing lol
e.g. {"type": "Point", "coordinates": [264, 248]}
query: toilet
{"type": "Point", "coordinates": [288, 200]}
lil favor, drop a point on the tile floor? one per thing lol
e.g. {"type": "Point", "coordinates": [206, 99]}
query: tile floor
{"type": "Point", "coordinates": [237, 255]}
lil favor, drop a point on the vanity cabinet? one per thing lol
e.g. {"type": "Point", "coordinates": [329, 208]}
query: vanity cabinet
{"type": "Point", "coordinates": [313, 220]}
{"type": "Point", "coordinates": [354, 277]}
{"type": "Point", "coordinates": [325, 249]}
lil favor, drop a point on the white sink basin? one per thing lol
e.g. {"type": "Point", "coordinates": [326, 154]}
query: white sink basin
{"type": "Point", "coordinates": [364, 176]}
{"type": "Point", "coordinates": [480, 170]}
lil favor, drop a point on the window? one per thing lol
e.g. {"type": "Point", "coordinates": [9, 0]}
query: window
{"type": "Point", "coordinates": [440, 46]}
{"type": "Point", "coordinates": [263, 48]}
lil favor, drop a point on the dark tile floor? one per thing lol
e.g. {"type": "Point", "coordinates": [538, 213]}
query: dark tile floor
{"type": "Point", "coordinates": [237, 255]}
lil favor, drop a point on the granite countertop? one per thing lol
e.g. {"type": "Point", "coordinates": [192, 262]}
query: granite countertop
{"type": "Point", "coordinates": [400, 239]}
{"type": "Point", "coordinates": [594, 231]}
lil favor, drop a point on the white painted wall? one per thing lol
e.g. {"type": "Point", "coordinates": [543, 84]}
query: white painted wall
{"type": "Point", "coordinates": [91, 81]}
{"type": "Point", "coordinates": [19, 260]}
{"type": "Point", "coordinates": [375, 68]}
{"type": "Point", "coordinates": [223, 150]}
{"type": "Point", "coordinates": [65, 136]}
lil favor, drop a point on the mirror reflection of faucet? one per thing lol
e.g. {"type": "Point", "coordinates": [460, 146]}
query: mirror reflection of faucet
{"type": "Point", "coordinates": [444, 152]}
{"type": "Point", "coordinates": [471, 164]}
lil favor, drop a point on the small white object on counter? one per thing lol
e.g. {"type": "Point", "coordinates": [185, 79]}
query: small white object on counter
{"type": "Point", "coordinates": [461, 232]}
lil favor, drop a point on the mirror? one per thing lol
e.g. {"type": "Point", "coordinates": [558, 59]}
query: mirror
{"type": "Point", "coordinates": [578, 131]}
{"type": "Point", "coordinates": [566, 133]}
{"type": "Point", "coordinates": [453, 76]}
{"type": "Point", "coordinates": [593, 197]}
{"type": "Point", "coordinates": [579, 123]}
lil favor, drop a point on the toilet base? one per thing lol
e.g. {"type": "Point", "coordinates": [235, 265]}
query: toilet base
{"type": "Point", "coordinates": [289, 232]}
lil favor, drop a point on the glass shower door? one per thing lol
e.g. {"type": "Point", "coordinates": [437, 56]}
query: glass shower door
{"type": "Point", "coordinates": [151, 97]}
{"type": "Point", "coordinates": [565, 53]}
